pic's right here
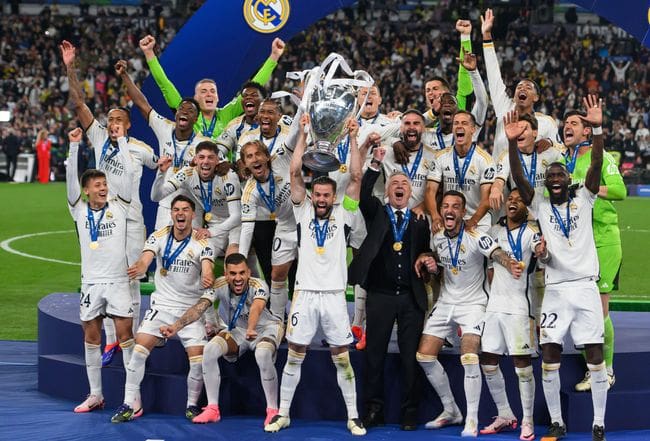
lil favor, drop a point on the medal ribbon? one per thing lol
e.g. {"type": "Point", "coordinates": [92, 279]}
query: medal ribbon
{"type": "Point", "coordinates": [178, 160]}
{"type": "Point", "coordinates": [566, 229]}
{"type": "Point", "coordinates": [275, 138]}
{"type": "Point", "coordinates": [320, 232]}
{"type": "Point", "coordinates": [206, 196]}
{"type": "Point", "coordinates": [92, 226]}
{"type": "Point", "coordinates": [516, 246]}
{"type": "Point", "coordinates": [398, 234]}
{"type": "Point", "coordinates": [441, 138]}
{"type": "Point", "coordinates": [414, 170]}
{"type": "Point", "coordinates": [240, 306]}
{"type": "Point", "coordinates": [571, 163]}
{"type": "Point", "coordinates": [359, 120]}
{"type": "Point", "coordinates": [533, 167]}
{"type": "Point", "coordinates": [269, 199]}
{"type": "Point", "coordinates": [459, 240]}
{"type": "Point", "coordinates": [168, 259]}
{"type": "Point", "coordinates": [208, 132]}
{"type": "Point", "coordinates": [460, 173]}
{"type": "Point", "coordinates": [103, 157]}
{"type": "Point", "coordinates": [343, 149]}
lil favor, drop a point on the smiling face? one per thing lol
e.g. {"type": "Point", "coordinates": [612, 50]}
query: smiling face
{"type": "Point", "coordinates": [525, 95]}
{"type": "Point", "coordinates": [372, 100]}
{"type": "Point", "coordinates": [433, 90]}
{"type": "Point", "coordinates": [256, 158]}
{"type": "Point", "coordinates": [463, 129]}
{"type": "Point", "coordinates": [96, 190]}
{"type": "Point", "coordinates": [250, 100]}
{"type": "Point", "coordinates": [206, 94]}
{"type": "Point", "coordinates": [182, 216]}
{"type": "Point", "coordinates": [411, 130]}
{"type": "Point", "coordinates": [323, 197]}
{"type": "Point", "coordinates": [452, 211]}
{"type": "Point", "coordinates": [268, 117]}
{"type": "Point", "coordinates": [118, 123]}
{"type": "Point", "coordinates": [557, 183]}
{"type": "Point", "coordinates": [574, 131]}
{"type": "Point", "coordinates": [516, 210]}
{"type": "Point", "coordinates": [206, 162]}
{"type": "Point", "coordinates": [186, 116]}
{"type": "Point", "coordinates": [398, 190]}
{"type": "Point", "coordinates": [237, 276]}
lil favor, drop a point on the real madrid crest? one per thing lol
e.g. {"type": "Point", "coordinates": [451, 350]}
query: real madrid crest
{"type": "Point", "coordinates": [266, 16]}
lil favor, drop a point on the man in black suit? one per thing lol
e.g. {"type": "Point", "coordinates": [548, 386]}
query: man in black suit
{"type": "Point", "coordinates": [384, 266]}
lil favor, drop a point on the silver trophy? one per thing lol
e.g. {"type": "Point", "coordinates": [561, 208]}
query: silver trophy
{"type": "Point", "coordinates": [330, 102]}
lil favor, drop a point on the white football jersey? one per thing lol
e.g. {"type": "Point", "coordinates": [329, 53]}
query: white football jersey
{"type": "Point", "coordinates": [254, 207]}
{"type": "Point", "coordinates": [575, 257]}
{"type": "Point", "coordinates": [274, 144]}
{"type": "Point", "coordinates": [467, 283]}
{"type": "Point", "coordinates": [108, 161]}
{"type": "Point", "coordinates": [536, 172]}
{"type": "Point", "coordinates": [180, 287]}
{"type": "Point", "coordinates": [326, 270]}
{"type": "Point", "coordinates": [507, 294]}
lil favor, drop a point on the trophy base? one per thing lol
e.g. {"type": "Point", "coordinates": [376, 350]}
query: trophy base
{"type": "Point", "coordinates": [320, 161]}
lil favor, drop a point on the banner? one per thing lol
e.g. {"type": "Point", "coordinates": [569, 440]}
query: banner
{"type": "Point", "coordinates": [631, 15]}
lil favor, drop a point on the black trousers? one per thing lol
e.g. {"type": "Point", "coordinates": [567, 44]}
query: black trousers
{"type": "Point", "coordinates": [263, 244]}
{"type": "Point", "coordinates": [381, 312]}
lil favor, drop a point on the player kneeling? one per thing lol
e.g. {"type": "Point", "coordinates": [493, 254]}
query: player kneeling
{"type": "Point", "coordinates": [242, 305]}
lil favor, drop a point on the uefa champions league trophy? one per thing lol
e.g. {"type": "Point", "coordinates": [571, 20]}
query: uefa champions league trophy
{"type": "Point", "coordinates": [330, 102]}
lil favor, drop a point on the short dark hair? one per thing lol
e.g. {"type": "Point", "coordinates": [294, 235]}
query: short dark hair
{"type": "Point", "coordinates": [465, 112]}
{"type": "Point", "coordinates": [254, 85]}
{"type": "Point", "coordinates": [192, 101]}
{"type": "Point", "coordinates": [235, 259]}
{"type": "Point", "coordinates": [123, 109]}
{"type": "Point", "coordinates": [324, 180]}
{"type": "Point", "coordinates": [91, 173]}
{"type": "Point", "coordinates": [579, 113]}
{"type": "Point", "coordinates": [207, 145]}
{"type": "Point", "coordinates": [276, 103]}
{"type": "Point", "coordinates": [413, 112]}
{"type": "Point", "coordinates": [444, 82]}
{"type": "Point", "coordinates": [535, 85]}
{"type": "Point", "coordinates": [183, 198]}
{"type": "Point", "coordinates": [530, 119]}
{"type": "Point", "coordinates": [457, 194]}
{"type": "Point", "coordinates": [558, 164]}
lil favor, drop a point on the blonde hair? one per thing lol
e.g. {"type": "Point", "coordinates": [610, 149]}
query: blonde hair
{"type": "Point", "coordinates": [42, 135]}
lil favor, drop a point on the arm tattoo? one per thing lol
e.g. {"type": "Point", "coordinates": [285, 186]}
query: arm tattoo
{"type": "Point", "coordinates": [193, 314]}
{"type": "Point", "coordinates": [501, 257]}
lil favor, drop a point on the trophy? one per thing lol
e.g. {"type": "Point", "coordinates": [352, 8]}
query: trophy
{"type": "Point", "coordinates": [330, 102]}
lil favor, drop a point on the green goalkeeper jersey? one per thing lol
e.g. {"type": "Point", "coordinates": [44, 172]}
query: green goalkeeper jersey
{"type": "Point", "coordinates": [224, 114]}
{"type": "Point", "coordinates": [605, 217]}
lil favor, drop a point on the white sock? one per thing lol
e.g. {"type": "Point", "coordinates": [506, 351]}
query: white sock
{"type": "Point", "coordinates": [290, 380]}
{"type": "Point", "coordinates": [472, 384]}
{"type": "Point", "coordinates": [551, 385]}
{"type": "Point", "coordinates": [134, 375]}
{"type": "Point", "coordinates": [109, 330]}
{"type": "Point", "coordinates": [497, 387]}
{"type": "Point", "coordinates": [359, 306]}
{"type": "Point", "coordinates": [93, 356]}
{"type": "Point", "coordinates": [134, 288]}
{"type": "Point", "coordinates": [194, 380]}
{"type": "Point", "coordinates": [214, 350]}
{"type": "Point", "coordinates": [598, 391]}
{"type": "Point", "coordinates": [345, 378]}
{"type": "Point", "coordinates": [437, 376]}
{"type": "Point", "coordinates": [252, 264]}
{"type": "Point", "coordinates": [127, 350]}
{"type": "Point", "coordinates": [264, 357]}
{"type": "Point", "coordinates": [526, 392]}
{"type": "Point", "coordinates": [279, 298]}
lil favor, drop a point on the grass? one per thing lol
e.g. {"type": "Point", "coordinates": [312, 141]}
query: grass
{"type": "Point", "coordinates": [34, 208]}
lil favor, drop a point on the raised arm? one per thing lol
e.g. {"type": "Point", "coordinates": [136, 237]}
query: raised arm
{"type": "Point", "coordinates": [68, 52]}
{"type": "Point", "coordinates": [594, 107]}
{"type": "Point", "coordinates": [298, 191]}
{"type": "Point", "coordinates": [170, 93]}
{"type": "Point", "coordinates": [500, 99]}
{"type": "Point", "coordinates": [71, 172]}
{"type": "Point", "coordinates": [162, 188]}
{"type": "Point", "coordinates": [514, 131]}
{"type": "Point", "coordinates": [136, 95]}
{"type": "Point", "coordinates": [464, 86]}
{"type": "Point", "coordinates": [353, 189]}
{"type": "Point", "coordinates": [479, 110]}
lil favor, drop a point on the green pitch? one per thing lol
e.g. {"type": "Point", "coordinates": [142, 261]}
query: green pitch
{"type": "Point", "coordinates": [29, 209]}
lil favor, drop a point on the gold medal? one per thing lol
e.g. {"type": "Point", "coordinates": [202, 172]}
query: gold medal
{"type": "Point", "coordinates": [569, 241]}
{"type": "Point", "coordinates": [175, 170]}
{"type": "Point", "coordinates": [163, 272]}
{"type": "Point", "coordinates": [454, 270]}
{"type": "Point", "coordinates": [343, 168]}
{"type": "Point", "coordinates": [320, 250]}
{"type": "Point", "coordinates": [397, 246]}
{"type": "Point", "coordinates": [227, 335]}
{"type": "Point", "coordinates": [94, 245]}
{"type": "Point", "coordinates": [207, 217]}
{"type": "Point", "coordinates": [522, 264]}
{"type": "Point", "coordinates": [272, 216]}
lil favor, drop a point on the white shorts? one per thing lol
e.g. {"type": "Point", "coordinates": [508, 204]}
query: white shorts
{"type": "Point", "coordinates": [311, 308]}
{"type": "Point", "coordinates": [572, 307]}
{"type": "Point", "coordinates": [508, 334]}
{"type": "Point", "coordinates": [105, 299]}
{"type": "Point", "coordinates": [285, 247]}
{"type": "Point", "coordinates": [191, 335]}
{"type": "Point", "coordinates": [445, 318]}
{"type": "Point", "coordinates": [271, 332]}
{"type": "Point", "coordinates": [221, 241]}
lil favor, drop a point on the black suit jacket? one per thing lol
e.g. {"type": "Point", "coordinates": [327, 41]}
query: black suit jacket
{"type": "Point", "coordinates": [378, 225]}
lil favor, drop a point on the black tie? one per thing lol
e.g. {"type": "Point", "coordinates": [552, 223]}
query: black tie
{"type": "Point", "coordinates": [400, 218]}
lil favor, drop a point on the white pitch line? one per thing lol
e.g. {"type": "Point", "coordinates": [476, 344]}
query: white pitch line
{"type": "Point", "coordinates": [6, 245]}
{"type": "Point", "coordinates": [635, 230]}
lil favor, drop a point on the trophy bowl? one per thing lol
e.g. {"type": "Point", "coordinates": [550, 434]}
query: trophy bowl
{"type": "Point", "coordinates": [329, 110]}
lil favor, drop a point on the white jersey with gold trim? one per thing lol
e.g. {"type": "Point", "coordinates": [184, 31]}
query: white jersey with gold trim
{"type": "Point", "coordinates": [276, 144]}
{"type": "Point", "coordinates": [467, 283]}
{"type": "Point", "coordinates": [507, 294]}
{"type": "Point", "coordinates": [254, 208]}
{"type": "Point", "coordinates": [544, 159]}
{"type": "Point", "coordinates": [325, 269]}
{"type": "Point", "coordinates": [180, 286]}
{"type": "Point", "coordinates": [572, 258]}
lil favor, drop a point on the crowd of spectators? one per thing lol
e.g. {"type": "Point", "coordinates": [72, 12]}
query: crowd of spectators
{"type": "Point", "coordinates": [400, 46]}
